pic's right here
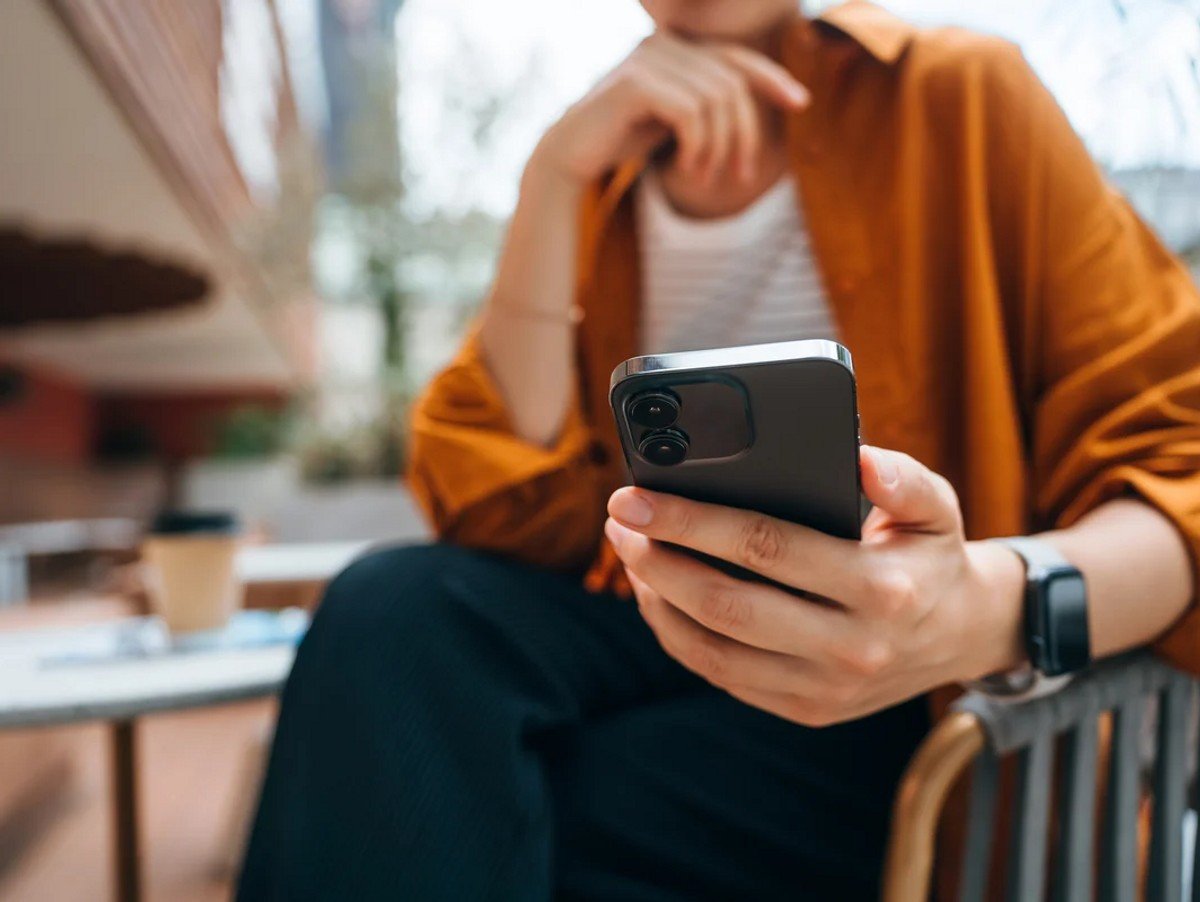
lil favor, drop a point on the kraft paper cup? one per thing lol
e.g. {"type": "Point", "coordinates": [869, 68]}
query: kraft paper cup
{"type": "Point", "coordinates": [189, 559]}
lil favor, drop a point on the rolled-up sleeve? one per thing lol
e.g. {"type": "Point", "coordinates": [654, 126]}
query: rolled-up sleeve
{"type": "Point", "coordinates": [1116, 341]}
{"type": "Point", "coordinates": [483, 486]}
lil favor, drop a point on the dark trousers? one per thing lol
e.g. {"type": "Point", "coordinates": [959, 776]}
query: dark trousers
{"type": "Point", "coordinates": [458, 727]}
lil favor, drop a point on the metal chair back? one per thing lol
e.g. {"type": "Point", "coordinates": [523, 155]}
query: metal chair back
{"type": "Point", "coordinates": [1055, 740]}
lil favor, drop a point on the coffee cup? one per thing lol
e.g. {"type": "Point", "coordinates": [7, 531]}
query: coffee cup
{"type": "Point", "coordinates": [191, 577]}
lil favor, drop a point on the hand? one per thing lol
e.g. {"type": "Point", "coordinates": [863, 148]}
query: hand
{"type": "Point", "coordinates": [911, 607]}
{"type": "Point", "coordinates": [699, 93]}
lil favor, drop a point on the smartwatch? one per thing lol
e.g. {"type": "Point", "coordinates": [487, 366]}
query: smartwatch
{"type": "Point", "coordinates": [1057, 642]}
{"type": "Point", "coordinates": [1056, 609]}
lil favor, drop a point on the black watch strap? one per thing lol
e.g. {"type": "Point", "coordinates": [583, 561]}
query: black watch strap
{"type": "Point", "coordinates": [1056, 608]}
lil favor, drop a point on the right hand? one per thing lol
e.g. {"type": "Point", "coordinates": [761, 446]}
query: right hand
{"type": "Point", "coordinates": [702, 94]}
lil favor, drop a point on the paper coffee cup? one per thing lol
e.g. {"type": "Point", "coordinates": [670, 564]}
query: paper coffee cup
{"type": "Point", "coordinates": [189, 559]}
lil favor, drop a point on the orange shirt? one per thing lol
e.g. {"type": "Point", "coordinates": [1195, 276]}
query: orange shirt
{"type": "Point", "coordinates": [1014, 325]}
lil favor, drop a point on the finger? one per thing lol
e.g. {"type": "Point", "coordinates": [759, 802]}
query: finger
{"type": "Point", "coordinates": [785, 552]}
{"type": "Point", "coordinates": [720, 132]}
{"type": "Point", "coordinates": [720, 85]}
{"type": "Point", "coordinates": [909, 493]}
{"type": "Point", "coordinates": [642, 590]}
{"type": "Point", "coordinates": [711, 84]}
{"type": "Point", "coordinates": [754, 614]}
{"type": "Point", "coordinates": [648, 136]}
{"type": "Point", "coordinates": [766, 77]}
{"type": "Point", "coordinates": [782, 704]}
{"type": "Point", "coordinates": [681, 108]}
{"type": "Point", "coordinates": [746, 132]}
{"type": "Point", "coordinates": [811, 698]}
{"type": "Point", "coordinates": [718, 659]}
{"type": "Point", "coordinates": [811, 712]}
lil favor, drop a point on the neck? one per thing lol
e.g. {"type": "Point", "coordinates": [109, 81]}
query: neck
{"type": "Point", "coordinates": [724, 194]}
{"type": "Point", "coordinates": [769, 41]}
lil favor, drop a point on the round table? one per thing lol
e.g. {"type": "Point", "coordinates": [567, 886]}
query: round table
{"type": "Point", "coordinates": [120, 670]}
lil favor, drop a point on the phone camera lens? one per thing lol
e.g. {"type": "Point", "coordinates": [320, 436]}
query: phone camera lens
{"type": "Point", "coordinates": [664, 447]}
{"type": "Point", "coordinates": [654, 409]}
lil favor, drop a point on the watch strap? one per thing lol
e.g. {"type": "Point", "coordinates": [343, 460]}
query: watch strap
{"type": "Point", "coordinates": [1036, 553]}
{"type": "Point", "coordinates": [1055, 608]}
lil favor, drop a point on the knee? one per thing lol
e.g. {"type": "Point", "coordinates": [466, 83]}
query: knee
{"type": "Point", "coordinates": [384, 588]}
{"type": "Point", "coordinates": [380, 636]}
{"type": "Point", "coordinates": [387, 597]}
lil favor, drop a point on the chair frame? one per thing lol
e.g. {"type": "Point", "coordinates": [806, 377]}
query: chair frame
{"type": "Point", "coordinates": [944, 755]}
{"type": "Point", "coordinates": [979, 730]}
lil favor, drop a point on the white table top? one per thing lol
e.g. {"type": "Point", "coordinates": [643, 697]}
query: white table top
{"type": "Point", "coordinates": [60, 675]}
{"type": "Point", "coordinates": [297, 562]}
{"type": "Point", "coordinates": [67, 536]}
{"type": "Point", "coordinates": [53, 676]}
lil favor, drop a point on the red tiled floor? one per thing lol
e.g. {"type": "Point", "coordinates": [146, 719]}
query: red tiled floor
{"type": "Point", "coordinates": [193, 769]}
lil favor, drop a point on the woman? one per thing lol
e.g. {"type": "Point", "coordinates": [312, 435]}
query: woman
{"type": "Point", "coordinates": [469, 721]}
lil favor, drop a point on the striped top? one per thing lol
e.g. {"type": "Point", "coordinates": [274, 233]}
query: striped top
{"type": "Point", "coordinates": [742, 279]}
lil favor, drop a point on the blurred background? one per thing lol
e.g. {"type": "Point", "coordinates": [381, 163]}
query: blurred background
{"type": "Point", "coordinates": [235, 238]}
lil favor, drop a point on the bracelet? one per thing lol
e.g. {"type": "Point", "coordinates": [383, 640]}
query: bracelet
{"type": "Point", "coordinates": [571, 317]}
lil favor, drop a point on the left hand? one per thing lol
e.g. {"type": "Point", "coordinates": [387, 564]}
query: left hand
{"type": "Point", "coordinates": [911, 607]}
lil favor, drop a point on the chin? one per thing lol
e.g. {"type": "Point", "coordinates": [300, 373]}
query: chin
{"type": "Point", "coordinates": [726, 20]}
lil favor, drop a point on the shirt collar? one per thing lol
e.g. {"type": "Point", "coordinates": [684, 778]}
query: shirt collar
{"type": "Point", "coordinates": [876, 30]}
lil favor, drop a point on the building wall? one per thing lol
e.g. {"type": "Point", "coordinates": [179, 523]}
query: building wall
{"type": "Point", "coordinates": [179, 426]}
{"type": "Point", "coordinates": [49, 417]}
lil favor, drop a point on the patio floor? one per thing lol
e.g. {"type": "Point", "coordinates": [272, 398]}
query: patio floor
{"type": "Point", "coordinates": [192, 768]}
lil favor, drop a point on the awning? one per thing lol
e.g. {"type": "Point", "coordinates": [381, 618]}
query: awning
{"type": "Point", "coordinates": [45, 280]}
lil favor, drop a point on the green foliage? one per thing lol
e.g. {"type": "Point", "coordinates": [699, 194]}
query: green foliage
{"type": "Point", "coordinates": [371, 450]}
{"type": "Point", "coordinates": [252, 431]}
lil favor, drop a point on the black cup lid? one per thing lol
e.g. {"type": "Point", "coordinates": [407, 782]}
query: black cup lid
{"type": "Point", "coordinates": [184, 522]}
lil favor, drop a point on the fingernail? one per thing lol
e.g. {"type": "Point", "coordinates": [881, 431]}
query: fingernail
{"type": "Point", "coordinates": [631, 507]}
{"type": "Point", "coordinates": [885, 466]}
{"type": "Point", "coordinates": [799, 94]}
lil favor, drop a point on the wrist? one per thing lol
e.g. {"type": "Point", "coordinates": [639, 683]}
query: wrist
{"type": "Point", "coordinates": [547, 176]}
{"type": "Point", "coordinates": [996, 611]}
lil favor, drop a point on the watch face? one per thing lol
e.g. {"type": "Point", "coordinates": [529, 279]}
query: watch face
{"type": "Point", "coordinates": [1065, 590]}
{"type": "Point", "coordinates": [1064, 612]}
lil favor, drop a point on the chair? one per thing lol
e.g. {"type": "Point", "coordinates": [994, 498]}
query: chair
{"type": "Point", "coordinates": [979, 731]}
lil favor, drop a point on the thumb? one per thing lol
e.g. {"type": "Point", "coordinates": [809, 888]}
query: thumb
{"type": "Point", "coordinates": [911, 494]}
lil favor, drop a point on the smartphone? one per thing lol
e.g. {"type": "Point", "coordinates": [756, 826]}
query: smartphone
{"type": "Point", "coordinates": [772, 428]}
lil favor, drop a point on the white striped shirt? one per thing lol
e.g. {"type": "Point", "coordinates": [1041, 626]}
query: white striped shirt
{"type": "Point", "coordinates": [742, 279]}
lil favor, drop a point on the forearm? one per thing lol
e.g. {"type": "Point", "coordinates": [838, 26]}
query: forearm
{"type": "Point", "coordinates": [527, 334]}
{"type": "Point", "coordinates": [1138, 575]}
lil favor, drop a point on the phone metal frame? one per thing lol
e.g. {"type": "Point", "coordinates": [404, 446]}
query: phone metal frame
{"type": "Point", "coordinates": [741, 355]}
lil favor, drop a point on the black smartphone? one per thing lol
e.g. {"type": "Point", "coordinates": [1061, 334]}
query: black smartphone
{"type": "Point", "coordinates": [771, 428]}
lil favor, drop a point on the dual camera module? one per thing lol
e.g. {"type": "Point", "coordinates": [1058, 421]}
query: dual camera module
{"type": "Point", "coordinates": [657, 410]}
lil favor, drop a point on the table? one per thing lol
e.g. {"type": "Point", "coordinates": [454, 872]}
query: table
{"type": "Point", "coordinates": [20, 541]}
{"type": "Point", "coordinates": [297, 562]}
{"type": "Point", "coordinates": [294, 573]}
{"type": "Point", "coordinates": [122, 669]}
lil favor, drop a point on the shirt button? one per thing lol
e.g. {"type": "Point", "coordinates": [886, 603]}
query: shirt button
{"type": "Point", "coordinates": [598, 454]}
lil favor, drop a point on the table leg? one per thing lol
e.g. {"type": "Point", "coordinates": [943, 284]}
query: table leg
{"type": "Point", "coordinates": [127, 884]}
